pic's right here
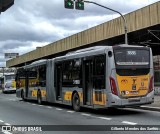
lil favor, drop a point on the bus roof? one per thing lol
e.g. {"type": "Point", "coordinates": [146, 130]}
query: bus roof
{"type": "Point", "coordinates": [80, 53]}
{"type": "Point", "coordinates": [36, 63]}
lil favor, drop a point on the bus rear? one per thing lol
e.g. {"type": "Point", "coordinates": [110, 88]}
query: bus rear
{"type": "Point", "coordinates": [131, 80]}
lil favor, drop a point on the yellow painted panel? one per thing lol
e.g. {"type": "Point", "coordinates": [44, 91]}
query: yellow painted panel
{"type": "Point", "coordinates": [32, 82]}
{"type": "Point", "coordinates": [68, 96]}
{"type": "Point", "coordinates": [34, 93]}
{"type": "Point", "coordinates": [80, 96]}
{"type": "Point", "coordinates": [103, 99]}
{"type": "Point", "coordinates": [133, 85]}
{"type": "Point", "coordinates": [43, 92]}
{"type": "Point", "coordinates": [13, 84]}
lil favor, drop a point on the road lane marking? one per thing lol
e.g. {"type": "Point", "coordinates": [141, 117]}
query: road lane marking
{"type": "Point", "coordinates": [58, 109]}
{"type": "Point", "coordinates": [104, 118]}
{"type": "Point", "coordinates": [7, 124]}
{"type": "Point", "coordinates": [34, 104]}
{"type": "Point", "coordinates": [142, 110]}
{"type": "Point", "coordinates": [70, 111]}
{"type": "Point", "coordinates": [40, 105]}
{"type": "Point", "coordinates": [12, 99]}
{"type": "Point", "coordinates": [130, 123]}
{"type": "Point", "coordinates": [1, 121]}
{"type": "Point", "coordinates": [86, 114]}
{"type": "Point", "coordinates": [150, 107]}
{"type": "Point", "coordinates": [49, 107]}
{"type": "Point", "coordinates": [6, 132]}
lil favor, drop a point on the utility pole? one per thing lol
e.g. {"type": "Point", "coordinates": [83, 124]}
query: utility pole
{"type": "Point", "coordinates": [79, 5]}
{"type": "Point", "coordinates": [125, 23]}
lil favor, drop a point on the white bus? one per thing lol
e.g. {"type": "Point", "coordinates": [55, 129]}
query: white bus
{"type": "Point", "coordinates": [96, 77]}
{"type": "Point", "coordinates": [9, 84]}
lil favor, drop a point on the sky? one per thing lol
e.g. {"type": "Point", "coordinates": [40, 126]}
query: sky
{"type": "Point", "coordinates": [35, 23]}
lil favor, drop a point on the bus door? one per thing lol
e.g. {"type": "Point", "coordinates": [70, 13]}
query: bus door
{"type": "Point", "coordinates": [58, 72]}
{"type": "Point", "coordinates": [88, 81]}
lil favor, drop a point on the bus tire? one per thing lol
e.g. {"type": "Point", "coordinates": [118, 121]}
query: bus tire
{"type": "Point", "coordinates": [76, 102]}
{"type": "Point", "coordinates": [39, 97]}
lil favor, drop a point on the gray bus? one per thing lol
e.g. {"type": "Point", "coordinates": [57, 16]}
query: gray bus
{"type": "Point", "coordinates": [95, 77]}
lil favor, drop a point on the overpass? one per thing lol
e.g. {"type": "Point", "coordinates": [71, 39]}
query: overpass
{"type": "Point", "coordinates": [5, 4]}
{"type": "Point", "coordinates": [143, 29]}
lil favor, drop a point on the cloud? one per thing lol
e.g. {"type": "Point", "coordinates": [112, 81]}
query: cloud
{"type": "Point", "coordinates": [31, 23]}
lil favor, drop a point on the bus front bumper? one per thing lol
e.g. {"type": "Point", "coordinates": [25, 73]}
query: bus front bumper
{"type": "Point", "coordinates": [115, 101]}
{"type": "Point", "coordinates": [7, 90]}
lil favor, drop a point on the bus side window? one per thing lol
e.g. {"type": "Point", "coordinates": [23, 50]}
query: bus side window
{"type": "Point", "coordinates": [99, 72]}
{"type": "Point", "coordinates": [72, 73]}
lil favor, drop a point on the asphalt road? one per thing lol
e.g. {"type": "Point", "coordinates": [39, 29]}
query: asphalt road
{"type": "Point", "coordinates": [14, 111]}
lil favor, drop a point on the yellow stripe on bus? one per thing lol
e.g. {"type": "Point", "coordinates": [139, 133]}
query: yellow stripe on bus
{"type": "Point", "coordinates": [34, 93]}
{"type": "Point", "coordinates": [99, 98]}
{"type": "Point", "coordinates": [68, 96]}
{"type": "Point", "coordinates": [133, 85]}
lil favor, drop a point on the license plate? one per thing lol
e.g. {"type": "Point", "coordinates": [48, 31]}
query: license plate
{"type": "Point", "coordinates": [134, 100]}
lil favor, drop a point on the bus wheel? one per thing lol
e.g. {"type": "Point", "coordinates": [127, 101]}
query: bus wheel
{"type": "Point", "coordinates": [39, 97]}
{"type": "Point", "coordinates": [76, 102]}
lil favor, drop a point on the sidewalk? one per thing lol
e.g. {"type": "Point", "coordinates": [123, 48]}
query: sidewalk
{"type": "Point", "coordinates": [154, 106]}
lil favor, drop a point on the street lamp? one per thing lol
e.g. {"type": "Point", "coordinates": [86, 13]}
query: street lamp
{"type": "Point", "coordinates": [125, 23]}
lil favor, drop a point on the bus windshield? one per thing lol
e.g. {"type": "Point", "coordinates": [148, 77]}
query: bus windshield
{"type": "Point", "coordinates": [131, 57]}
{"type": "Point", "coordinates": [9, 77]}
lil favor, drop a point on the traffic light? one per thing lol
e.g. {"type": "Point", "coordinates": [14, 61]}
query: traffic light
{"type": "Point", "coordinates": [80, 4]}
{"type": "Point", "coordinates": [68, 4]}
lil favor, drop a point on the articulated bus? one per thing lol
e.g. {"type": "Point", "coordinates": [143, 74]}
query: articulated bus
{"type": "Point", "coordinates": [96, 77]}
